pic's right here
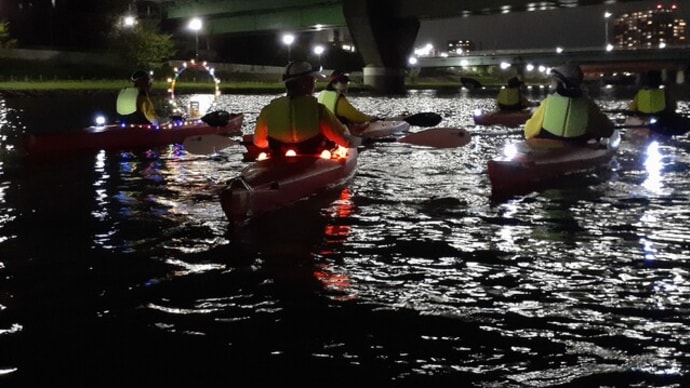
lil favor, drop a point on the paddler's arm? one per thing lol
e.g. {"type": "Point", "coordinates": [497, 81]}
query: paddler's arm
{"type": "Point", "coordinates": [599, 125]}
{"type": "Point", "coordinates": [147, 109]}
{"type": "Point", "coordinates": [334, 130]}
{"type": "Point", "coordinates": [633, 104]}
{"type": "Point", "coordinates": [344, 109]}
{"type": "Point", "coordinates": [534, 123]}
{"type": "Point", "coordinates": [261, 131]}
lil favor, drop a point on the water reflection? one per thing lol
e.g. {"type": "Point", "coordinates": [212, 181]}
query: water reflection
{"type": "Point", "coordinates": [653, 165]}
{"type": "Point", "coordinates": [410, 274]}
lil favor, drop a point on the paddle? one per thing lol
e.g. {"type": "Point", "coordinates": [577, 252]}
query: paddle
{"type": "Point", "coordinates": [666, 124]}
{"type": "Point", "coordinates": [434, 137]}
{"type": "Point", "coordinates": [424, 119]}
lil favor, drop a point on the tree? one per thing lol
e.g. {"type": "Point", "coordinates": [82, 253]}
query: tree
{"type": "Point", "coordinates": [5, 40]}
{"type": "Point", "coordinates": [143, 45]}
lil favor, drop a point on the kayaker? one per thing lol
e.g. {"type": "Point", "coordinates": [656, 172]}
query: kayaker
{"type": "Point", "coordinates": [133, 104]}
{"type": "Point", "coordinates": [654, 98]}
{"type": "Point", "coordinates": [335, 99]}
{"type": "Point", "coordinates": [510, 97]}
{"type": "Point", "coordinates": [298, 119]}
{"type": "Point", "coordinates": [567, 113]}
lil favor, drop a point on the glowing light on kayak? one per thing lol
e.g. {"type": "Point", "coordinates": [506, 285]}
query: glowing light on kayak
{"type": "Point", "coordinates": [477, 112]}
{"type": "Point", "coordinates": [262, 156]}
{"type": "Point", "coordinates": [199, 104]}
{"type": "Point", "coordinates": [340, 152]}
{"type": "Point", "coordinates": [510, 151]}
{"type": "Point", "coordinates": [100, 120]}
{"type": "Point", "coordinates": [290, 153]}
{"type": "Point", "coordinates": [325, 154]}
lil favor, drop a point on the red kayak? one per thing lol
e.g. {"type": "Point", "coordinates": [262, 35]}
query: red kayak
{"type": "Point", "coordinates": [118, 137]}
{"type": "Point", "coordinates": [508, 118]}
{"type": "Point", "coordinates": [270, 184]}
{"type": "Point", "coordinates": [535, 162]}
{"type": "Point", "coordinates": [275, 183]}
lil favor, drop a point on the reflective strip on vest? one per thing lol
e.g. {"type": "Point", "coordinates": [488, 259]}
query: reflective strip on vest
{"type": "Point", "coordinates": [566, 117]}
{"type": "Point", "coordinates": [127, 101]}
{"type": "Point", "coordinates": [651, 100]}
{"type": "Point", "coordinates": [329, 98]}
{"type": "Point", "coordinates": [508, 96]}
{"type": "Point", "coordinates": [293, 119]}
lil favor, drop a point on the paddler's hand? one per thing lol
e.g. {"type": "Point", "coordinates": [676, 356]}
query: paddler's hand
{"type": "Point", "coordinates": [354, 141]}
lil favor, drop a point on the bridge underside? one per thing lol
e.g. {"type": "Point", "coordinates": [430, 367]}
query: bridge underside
{"type": "Point", "coordinates": [384, 31]}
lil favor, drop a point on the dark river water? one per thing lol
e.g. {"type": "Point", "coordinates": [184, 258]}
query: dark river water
{"type": "Point", "coordinates": [119, 270]}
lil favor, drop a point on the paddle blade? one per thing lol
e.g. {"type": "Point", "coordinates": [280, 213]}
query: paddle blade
{"type": "Point", "coordinates": [438, 138]}
{"type": "Point", "coordinates": [670, 125]}
{"type": "Point", "coordinates": [219, 118]}
{"type": "Point", "coordinates": [426, 119]}
{"type": "Point", "coordinates": [207, 144]}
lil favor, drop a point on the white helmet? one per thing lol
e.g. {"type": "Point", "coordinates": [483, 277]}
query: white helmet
{"type": "Point", "coordinates": [569, 74]}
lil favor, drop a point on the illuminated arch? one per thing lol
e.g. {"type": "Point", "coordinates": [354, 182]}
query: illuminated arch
{"type": "Point", "coordinates": [190, 110]}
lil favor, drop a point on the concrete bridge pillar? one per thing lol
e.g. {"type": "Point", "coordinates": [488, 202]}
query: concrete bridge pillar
{"type": "Point", "coordinates": [680, 76]}
{"type": "Point", "coordinates": [384, 39]}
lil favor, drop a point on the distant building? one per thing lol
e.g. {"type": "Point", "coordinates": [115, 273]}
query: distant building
{"type": "Point", "coordinates": [658, 27]}
{"type": "Point", "coordinates": [459, 47]}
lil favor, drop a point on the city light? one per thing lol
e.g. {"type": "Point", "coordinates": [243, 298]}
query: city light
{"type": "Point", "coordinates": [195, 24]}
{"type": "Point", "coordinates": [288, 39]}
{"type": "Point", "coordinates": [318, 50]}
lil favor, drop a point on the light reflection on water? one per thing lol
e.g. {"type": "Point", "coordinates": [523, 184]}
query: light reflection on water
{"type": "Point", "coordinates": [411, 272]}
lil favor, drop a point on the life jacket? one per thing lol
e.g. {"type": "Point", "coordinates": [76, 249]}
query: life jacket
{"type": "Point", "coordinates": [329, 98]}
{"type": "Point", "coordinates": [651, 101]}
{"type": "Point", "coordinates": [127, 101]}
{"type": "Point", "coordinates": [565, 117]}
{"type": "Point", "coordinates": [509, 98]}
{"type": "Point", "coordinates": [293, 119]}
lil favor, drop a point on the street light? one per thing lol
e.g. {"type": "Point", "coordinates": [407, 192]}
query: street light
{"type": "Point", "coordinates": [318, 50]}
{"type": "Point", "coordinates": [288, 39]}
{"type": "Point", "coordinates": [195, 25]}
{"type": "Point", "coordinates": [129, 21]}
{"type": "Point", "coordinates": [607, 15]}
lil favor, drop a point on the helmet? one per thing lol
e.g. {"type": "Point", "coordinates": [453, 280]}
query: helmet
{"type": "Point", "coordinates": [295, 70]}
{"type": "Point", "coordinates": [140, 75]}
{"type": "Point", "coordinates": [340, 76]}
{"type": "Point", "coordinates": [569, 74]}
{"type": "Point", "coordinates": [514, 82]}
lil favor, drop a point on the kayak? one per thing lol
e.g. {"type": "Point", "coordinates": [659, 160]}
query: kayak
{"type": "Point", "coordinates": [536, 162]}
{"type": "Point", "coordinates": [272, 183]}
{"type": "Point", "coordinates": [372, 130]}
{"type": "Point", "coordinates": [117, 137]}
{"type": "Point", "coordinates": [508, 118]}
{"type": "Point", "coordinates": [275, 183]}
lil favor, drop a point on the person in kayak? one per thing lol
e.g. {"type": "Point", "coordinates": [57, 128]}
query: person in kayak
{"type": "Point", "coordinates": [654, 98]}
{"type": "Point", "coordinates": [335, 99]}
{"type": "Point", "coordinates": [568, 114]}
{"type": "Point", "coordinates": [510, 97]}
{"type": "Point", "coordinates": [133, 104]}
{"type": "Point", "coordinates": [298, 120]}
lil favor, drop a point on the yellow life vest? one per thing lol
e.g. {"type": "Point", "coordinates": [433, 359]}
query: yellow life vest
{"type": "Point", "coordinates": [127, 101]}
{"type": "Point", "coordinates": [566, 117]}
{"type": "Point", "coordinates": [508, 97]}
{"type": "Point", "coordinates": [293, 119]}
{"type": "Point", "coordinates": [651, 101]}
{"type": "Point", "coordinates": [329, 98]}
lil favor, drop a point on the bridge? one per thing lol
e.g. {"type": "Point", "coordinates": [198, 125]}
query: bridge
{"type": "Point", "coordinates": [592, 59]}
{"type": "Point", "coordinates": [384, 31]}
